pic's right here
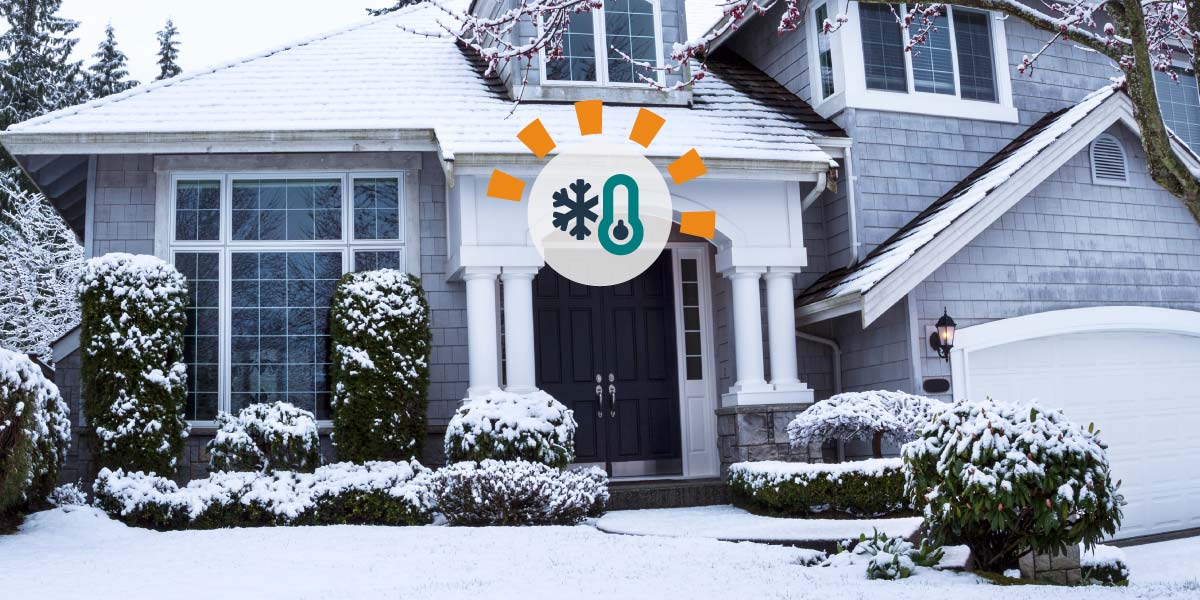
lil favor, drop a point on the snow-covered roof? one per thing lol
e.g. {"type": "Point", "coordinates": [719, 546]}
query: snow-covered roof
{"type": "Point", "coordinates": [968, 195]}
{"type": "Point", "coordinates": [377, 76]}
{"type": "Point", "coordinates": [702, 15]}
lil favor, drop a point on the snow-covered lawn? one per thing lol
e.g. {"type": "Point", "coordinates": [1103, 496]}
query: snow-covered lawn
{"type": "Point", "coordinates": [732, 523]}
{"type": "Point", "coordinates": [82, 553]}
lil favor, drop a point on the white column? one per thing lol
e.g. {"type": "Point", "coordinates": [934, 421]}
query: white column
{"type": "Point", "coordinates": [518, 329]}
{"type": "Point", "coordinates": [482, 337]}
{"type": "Point", "coordinates": [781, 330]}
{"type": "Point", "coordinates": [747, 329]}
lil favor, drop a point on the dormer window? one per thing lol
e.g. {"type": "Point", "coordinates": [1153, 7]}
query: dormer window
{"type": "Point", "coordinates": [592, 41]}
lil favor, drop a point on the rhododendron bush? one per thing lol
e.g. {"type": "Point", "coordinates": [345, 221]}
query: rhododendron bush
{"type": "Point", "coordinates": [1006, 479]}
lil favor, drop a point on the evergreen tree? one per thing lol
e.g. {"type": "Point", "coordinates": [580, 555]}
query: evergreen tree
{"type": "Point", "coordinates": [108, 75]}
{"type": "Point", "coordinates": [168, 51]}
{"type": "Point", "coordinates": [36, 73]}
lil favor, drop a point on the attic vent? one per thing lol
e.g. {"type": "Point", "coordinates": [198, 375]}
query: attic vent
{"type": "Point", "coordinates": [1108, 161]}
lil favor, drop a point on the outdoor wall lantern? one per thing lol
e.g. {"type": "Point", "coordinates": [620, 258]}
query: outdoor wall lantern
{"type": "Point", "coordinates": [942, 340]}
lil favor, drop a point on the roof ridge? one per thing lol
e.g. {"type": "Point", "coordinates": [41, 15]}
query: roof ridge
{"type": "Point", "coordinates": [188, 76]}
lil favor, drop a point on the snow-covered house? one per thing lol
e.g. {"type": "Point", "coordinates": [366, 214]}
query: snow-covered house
{"type": "Point", "coordinates": [859, 192]}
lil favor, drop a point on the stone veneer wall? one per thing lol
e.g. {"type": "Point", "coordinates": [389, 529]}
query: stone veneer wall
{"type": "Point", "coordinates": [757, 432]}
{"type": "Point", "coordinates": [1053, 568]}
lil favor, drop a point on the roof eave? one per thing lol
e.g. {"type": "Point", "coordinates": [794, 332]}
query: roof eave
{"type": "Point", "coordinates": [828, 308]}
{"type": "Point", "coordinates": [21, 143]}
{"type": "Point", "coordinates": [759, 169]}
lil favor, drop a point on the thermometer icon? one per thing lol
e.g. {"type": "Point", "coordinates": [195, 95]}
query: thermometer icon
{"type": "Point", "coordinates": [621, 239]}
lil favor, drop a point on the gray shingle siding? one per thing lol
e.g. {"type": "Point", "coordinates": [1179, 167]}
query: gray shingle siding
{"type": "Point", "coordinates": [123, 210]}
{"type": "Point", "coordinates": [876, 358]}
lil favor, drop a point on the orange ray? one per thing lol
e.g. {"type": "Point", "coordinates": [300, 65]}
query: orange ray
{"type": "Point", "coordinates": [536, 138]}
{"type": "Point", "coordinates": [646, 127]}
{"type": "Point", "coordinates": [687, 167]}
{"type": "Point", "coordinates": [700, 223]}
{"type": "Point", "coordinates": [505, 186]}
{"type": "Point", "coordinates": [591, 116]}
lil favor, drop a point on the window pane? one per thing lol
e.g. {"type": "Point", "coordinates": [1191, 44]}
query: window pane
{"type": "Point", "coordinates": [1180, 105]}
{"type": "Point", "coordinates": [198, 210]}
{"type": "Point", "coordinates": [370, 260]}
{"type": "Point", "coordinates": [281, 305]}
{"type": "Point", "coordinates": [976, 78]}
{"type": "Point", "coordinates": [377, 209]}
{"type": "Point", "coordinates": [201, 339]}
{"type": "Point", "coordinates": [932, 63]}
{"type": "Point", "coordinates": [883, 48]}
{"type": "Point", "coordinates": [690, 299]}
{"type": "Point", "coordinates": [578, 61]}
{"type": "Point", "coordinates": [283, 209]}
{"type": "Point", "coordinates": [629, 27]}
{"type": "Point", "coordinates": [824, 53]}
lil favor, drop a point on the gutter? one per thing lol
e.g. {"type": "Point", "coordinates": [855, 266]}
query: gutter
{"type": "Point", "coordinates": [815, 192]}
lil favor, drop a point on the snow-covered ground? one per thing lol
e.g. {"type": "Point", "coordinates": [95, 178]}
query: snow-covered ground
{"type": "Point", "coordinates": [732, 523]}
{"type": "Point", "coordinates": [80, 552]}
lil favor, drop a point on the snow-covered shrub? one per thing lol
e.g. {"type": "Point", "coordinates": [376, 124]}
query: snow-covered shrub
{"type": "Point", "coordinates": [876, 416]}
{"type": "Point", "coordinates": [518, 492]}
{"type": "Point", "coordinates": [507, 426]}
{"type": "Point", "coordinates": [67, 494]}
{"type": "Point", "coordinates": [1006, 479]}
{"type": "Point", "coordinates": [132, 342]}
{"type": "Point", "coordinates": [886, 558]}
{"type": "Point", "coordinates": [266, 437]}
{"type": "Point", "coordinates": [1104, 565]}
{"type": "Point", "coordinates": [374, 493]}
{"type": "Point", "coordinates": [379, 328]}
{"type": "Point", "coordinates": [868, 488]}
{"type": "Point", "coordinates": [34, 432]}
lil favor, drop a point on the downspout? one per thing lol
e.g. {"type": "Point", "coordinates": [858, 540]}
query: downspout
{"type": "Point", "coordinates": [851, 210]}
{"type": "Point", "coordinates": [836, 352]}
{"type": "Point", "coordinates": [822, 178]}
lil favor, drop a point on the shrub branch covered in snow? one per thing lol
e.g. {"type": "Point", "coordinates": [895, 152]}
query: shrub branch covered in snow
{"type": "Point", "coordinates": [868, 488]}
{"type": "Point", "coordinates": [1104, 565]}
{"type": "Point", "coordinates": [132, 343]}
{"type": "Point", "coordinates": [887, 558]}
{"type": "Point", "coordinates": [1005, 479]}
{"type": "Point", "coordinates": [518, 492]}
{"type": "Point", "coordinates": [34, 432]}
{"type": "Point", "coordinates": [266, 437]}
{"type": "Point", "coordinates": [374, 493]}
{"type": "Point", "coordinates": [381, 342]}
{"type": "Point", "coordinates": [874, 415]}
{"type": "Point", "coordinates": [507, 426]}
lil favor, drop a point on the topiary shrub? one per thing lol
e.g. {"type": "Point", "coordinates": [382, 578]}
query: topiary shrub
{"type": "Point", "coordinates": [379, 329]}
{"type": "Point", "coordinates": [1006, 479]}
{"type": "Point", "coordinates": [869, 488]}
{"type": "Point", "coordinates": [134, 378]}
{"type": "Point", "coordinates": [875, 415]}
{"type": "Point", "coordinates": [506, 426]}
{"type": "Point", "coordinates": [374, 493]}
{"type": "Point", "coordinates": [266, 437]}
{"type": "Point", "coordinates": [35, 432]}
{"type": "Point", "coordinates": [518, 492]}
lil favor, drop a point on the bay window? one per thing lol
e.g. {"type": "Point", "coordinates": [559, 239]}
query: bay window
{"type": "Point", "coordinates": [262, 254]}
{"type": "Point", "coordinates": [594, 42]}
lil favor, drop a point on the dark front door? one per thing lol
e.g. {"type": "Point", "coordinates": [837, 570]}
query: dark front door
{"type": "Point", "coordinates": [625, 336]}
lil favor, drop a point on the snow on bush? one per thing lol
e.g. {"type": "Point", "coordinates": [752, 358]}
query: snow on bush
{"type": "Point", "coordinates": [1104, 565]}
{"type": "Point", "coordinates": [132, 342]}
{"type": "Point", "coordinates": [266, 437]}
{"type": "Point", "coordinates": [34, 432]}
{"type": "Point", "coordinates": [886, 558]}
{"type": "Point", "coordinates": [67, 494]}
{"type": "Point", "coordinates": [1006, 479]}
{"type": "Point", "coordinates": [868, 488]}
{"type": "Point", "coordinates": [373, 493]}
{"type": "Point", "coordinates": [379, 327]}
{"type": "Point", "coordinates": [874, 415]}
{"type": "Point", "coordinates": [507, 426]}
{"type": "Point", "coordinates": [518, 492]}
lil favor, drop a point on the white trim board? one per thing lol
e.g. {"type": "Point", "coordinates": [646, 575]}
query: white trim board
{"type": "Point", "coordinates": [1063, 322]}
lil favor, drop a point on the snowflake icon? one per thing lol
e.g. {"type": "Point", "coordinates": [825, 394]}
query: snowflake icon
{"type": "Point", "coordinates": [578, 209]}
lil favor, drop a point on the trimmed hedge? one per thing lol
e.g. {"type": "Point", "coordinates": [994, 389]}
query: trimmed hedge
{"type": "Point", "coordinates": [35, 432]}
{"type": "Point", "coordinates": [869, 488]}
{"type": "Point", "coordinates": [375, 493]}
{"type": "Point", "coordinates": [132, 342]}
{"type": "Point", "coordinates": [266, 437]}
{"type": "Point", "coordinates": [518, 492]}
{"type": "Point", "coordinates": [512, 427]}
{"type": "Point", "coordinates": [379, 330]}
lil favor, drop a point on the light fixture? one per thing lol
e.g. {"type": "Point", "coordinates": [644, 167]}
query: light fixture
{"type": "Point", "coordinates": [942, 340]}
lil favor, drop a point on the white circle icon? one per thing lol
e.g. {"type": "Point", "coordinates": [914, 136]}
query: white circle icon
{"type": "Point", "coordinates": [599, 214]}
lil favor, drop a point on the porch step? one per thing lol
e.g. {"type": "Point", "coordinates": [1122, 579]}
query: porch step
{"type": "Point", "coordinates": [667, 493]}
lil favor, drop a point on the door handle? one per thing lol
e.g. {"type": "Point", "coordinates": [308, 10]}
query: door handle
{"type": "Point", "coordinates": [599, 397]}
{"type": "Point", "coordinates": [612, 393]}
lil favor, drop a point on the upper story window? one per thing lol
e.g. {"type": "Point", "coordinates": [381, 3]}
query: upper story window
{"type": "Point", "coordinates": [1179, 102]}
{"type": "Point", "coordinates": [824, 51]}
{"type": "Point", "coordinates": [593, 43]}
{"type": "Point", "coordinates": [955, 59]}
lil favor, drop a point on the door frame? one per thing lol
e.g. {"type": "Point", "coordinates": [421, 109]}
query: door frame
{"type": "Point", "coordinates": [697, 420]}
{"type": "Point", "coordinates": [1062, 322]}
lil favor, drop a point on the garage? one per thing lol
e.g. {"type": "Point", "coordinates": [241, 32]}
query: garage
{"type": "Point", "coordinates": [1133, 371]}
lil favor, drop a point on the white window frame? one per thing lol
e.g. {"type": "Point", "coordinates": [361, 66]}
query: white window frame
{"type": "Point", "coordinates": [226, 246]}
{"type": "Point", "coordinates": [850, 81]}
{"type": "Point", "coordinates": [600, 42]}
{"type": "Point", "coordinates": [814, 53]}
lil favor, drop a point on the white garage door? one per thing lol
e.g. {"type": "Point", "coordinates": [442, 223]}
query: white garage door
{"type": "Point", "coordinates": [1142, 390]}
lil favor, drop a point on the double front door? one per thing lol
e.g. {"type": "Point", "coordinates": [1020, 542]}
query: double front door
{"type": "Point", "coordinates": [609, 354]}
